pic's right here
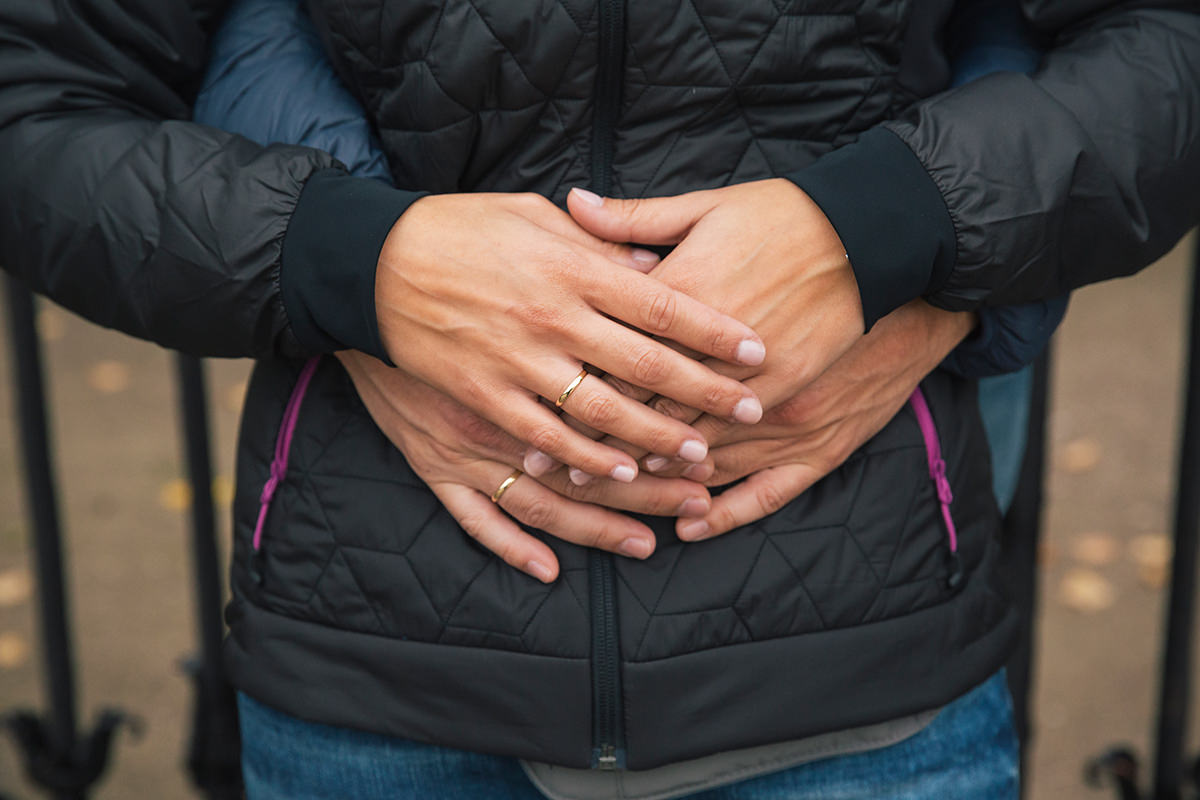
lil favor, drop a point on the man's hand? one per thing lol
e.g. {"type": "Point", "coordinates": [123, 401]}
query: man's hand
{"type": "Point", "coordinates": [463, 458]}
{"type": "Point", "coordinates": [498, 300]}
{"type": "Point", "coordinates": [805, 438]}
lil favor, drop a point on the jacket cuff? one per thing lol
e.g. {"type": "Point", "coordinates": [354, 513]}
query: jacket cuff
{"type": "Point", "coordinates": [890, 216]}
{"type": "Point", "coordinates": [330, 251]}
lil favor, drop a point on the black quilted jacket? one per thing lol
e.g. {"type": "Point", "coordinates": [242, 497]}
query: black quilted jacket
{"type": "Point", "coordinates": [366, 605]}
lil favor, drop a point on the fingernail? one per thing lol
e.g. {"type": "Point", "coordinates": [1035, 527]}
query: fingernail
{"type": "Point", "coordinates": [538, 463]}
{"type": "Point", "coordinates": [693, 450]}
{"type": "Point", "coordinates": [692, 507]}
{"type": "Point", "coordinates": [750, 352]}
{"type": "Point", "coordinates": [540, 571]}
{"type": "Point", "coordinates": [697, 472]}
{"type": "Point", "coordinates": [579, 477]}
{"type": "Point", "coordinates": [635, 548]}
{"type": "Point", "coordinates": [591, 198]}
{"type": "Point", "coordinates": [748, 410]}
{"type": "Point", "coordinates": [647, 258]}
{"type": "Point", "coordinates": [655, 463]}
{"type": "Point", "coordinates": [693, 529]}
{"type": "Point", "coordinates": [623, 473]}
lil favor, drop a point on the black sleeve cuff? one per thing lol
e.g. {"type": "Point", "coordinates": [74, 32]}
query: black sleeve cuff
{"type": "Point", "coordinates": [330, 251]}
{"type": "Point", "coordinates": [890, 216]}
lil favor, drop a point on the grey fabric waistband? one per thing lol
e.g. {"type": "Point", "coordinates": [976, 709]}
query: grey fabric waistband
{"type": "Point", "coordinates": [709, 772]}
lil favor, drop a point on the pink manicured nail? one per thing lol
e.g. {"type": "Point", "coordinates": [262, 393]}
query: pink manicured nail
{"type": "Point", "coordinates": [538, 463]}
{"type": "Point", "coordinates": [748, 410]}
{"type": "Point", "coordinates": [693, 450]}
{"type": "Point", "coordinates": [591, 198]}
{"type": "Point", "coordinates": [635, 548]}
{"type": "Point", "coordinates": [623, 473]}
{"type": "Point", "coordinates": [750, 352]}
{"type": "Point", "coordinates": [655, 463]}
{"type": "Point", "coordinates": [579, 477]}
{"type": "Point", "coordinates": [693, 529]}
{"type": "Point", "coordinates": [645, 258]}
{"type": "Point", "coordinates": [692, 507]}
{"type": "Point", "coordinates": [540, 571]}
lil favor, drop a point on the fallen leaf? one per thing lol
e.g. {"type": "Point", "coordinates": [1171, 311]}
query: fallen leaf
{"type": "Point", "coordinates": [176, 495]}
{"type": "Point", "coordinates": [222, 491]}
{"type": "Point", "coordinates": [1080, 455]}
{"type": "Point", "coordinates": [52, 324]}
{"type": "Point", "coordinates": [14, 650]}
{"type": "Point", "coordinates": [109, 377]}
{"type": "Point", "coordinates": [1152, 549]}
{"type": "Point", "coordinates": [1086, 591]}
{"type": "Point", "coordinates": [1152, 554]}
{"type": "Point", "coordinates": [1047, 554]}
{"type": "Point", "coordinates": [16, 585]}
{"type": "Point", "coordinates": [1095, 549]}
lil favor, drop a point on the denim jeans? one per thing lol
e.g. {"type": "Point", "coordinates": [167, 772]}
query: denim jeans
{"type": "Point", "coordinates": [968, 751]}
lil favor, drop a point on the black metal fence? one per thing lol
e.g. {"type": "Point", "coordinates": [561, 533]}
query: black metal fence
{"type": "Point", "coordinates": [66, 760]}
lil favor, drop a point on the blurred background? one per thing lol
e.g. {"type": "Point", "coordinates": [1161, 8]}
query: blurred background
{"type": "Point", "coordinates": [1113, 433]}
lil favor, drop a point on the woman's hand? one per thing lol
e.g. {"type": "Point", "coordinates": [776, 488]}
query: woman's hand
{"type": "Point", "coordinates": [463, 458]}
{"type": "Point", "coordinates": [498, 300]}
{"type": "Point", "coordinates": [763, 252]}
{"type": "Point", "coordinates": [805, 438]}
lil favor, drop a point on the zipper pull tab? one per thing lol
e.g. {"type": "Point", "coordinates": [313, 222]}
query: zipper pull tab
{"type": "Point", "coordinates": [954, 579]}
{"type": "Point", "coordinates": [608, 758]}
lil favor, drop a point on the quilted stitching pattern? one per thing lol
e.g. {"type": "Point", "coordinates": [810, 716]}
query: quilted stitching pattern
{"type": "Point", "coordinates": [715, 91]}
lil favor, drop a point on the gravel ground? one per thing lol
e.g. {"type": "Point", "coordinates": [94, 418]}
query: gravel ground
{"type": "Point", "coordinates": [1112, 446]}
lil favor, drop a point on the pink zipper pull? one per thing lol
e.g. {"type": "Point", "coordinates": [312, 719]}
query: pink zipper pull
{"type": "Point", "coordinates": [283, 445]}
{"type": "Point", "coordinates": [937, 473]}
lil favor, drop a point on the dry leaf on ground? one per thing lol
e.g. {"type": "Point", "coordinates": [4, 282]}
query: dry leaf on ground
{"type": "Point", "coordinates": [14, 650]}
{"type": "Point", "coordinates": [109, 377]}
{"type": "Point", "coordinates": [1080, 455]}
{"type": "Point", "coordinates": [175, 495]}
{"type": "Point", "coordinates": [1095, 549]}
{"type": "Point", "coordinates": [1086, 591]}
{"type": "Point", "coordinates": [16, 585]}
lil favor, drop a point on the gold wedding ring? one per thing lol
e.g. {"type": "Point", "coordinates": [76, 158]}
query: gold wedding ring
{"type": "Point", "coordinates": [507, 482]}
{"type": "Point", "coordinates": [572, 386]}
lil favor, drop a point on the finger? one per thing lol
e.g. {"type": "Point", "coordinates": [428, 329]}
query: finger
{"type": "Point", "coordinates": [761, 494]}
{"type": "Point", "coordinates": [636, 359]}
{"type": "Point", "coordinates": [659, 310]}
{"type": "Point", "coordinates": [579, 523]}
{"type": "Point", "coordinates": [544, 431]}
{"type": "Point", "coordinates": [658, 220]}
{"type": "Point", "coordinates": [492, 528]}
{"type": "Point", "coordinates": [561, 224]}
{"type": "Point", "coordinates": [603, 408]}
{"type": "Point", "coordinates": [647, 495]}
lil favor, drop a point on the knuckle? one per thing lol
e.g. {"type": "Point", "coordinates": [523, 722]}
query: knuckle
{"type": "Point", "coordinates": [718, 340]}
{"type": "Point", "coordinates": [538, 514]}
{"type": "Point", "coordinates": [660, 311]}
{"type": "Point", "coordinates": [539, 315]}
{"type": "Point", "coordinates": [547, 438]}
{"type": "Point", "coordinates": [648, 368]}
{"type": "Point", "coordinates": [668, 408]}
{"type": "Point", "coordinates": [769, 497]}
{"type": "Point", "coordinates": [717, 400]}
{"type": "Point", "coordinates": [599, 411]}
{"type": "Point", "coordinates": [472, 524]}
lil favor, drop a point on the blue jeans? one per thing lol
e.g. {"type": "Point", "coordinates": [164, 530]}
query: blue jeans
{"type": "Point", "coordinates": [968, 751]}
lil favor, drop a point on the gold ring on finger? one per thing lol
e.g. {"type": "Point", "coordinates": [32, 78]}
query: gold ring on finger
{"type": "Point", "coordinates": [572, 386]}
{"type": "Point", "coordinates": [507, 482]}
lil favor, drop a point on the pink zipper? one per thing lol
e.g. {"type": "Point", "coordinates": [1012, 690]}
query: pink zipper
{"type": "Point", "coordinates": [283, 444]}
{"type": "Point", "coordinates": [937, 473]}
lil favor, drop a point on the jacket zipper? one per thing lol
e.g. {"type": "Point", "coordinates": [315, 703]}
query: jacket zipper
{"type": "Point", "coordinates": [937, 473]}
{"type": "Point", "coordinates": [608, 731]}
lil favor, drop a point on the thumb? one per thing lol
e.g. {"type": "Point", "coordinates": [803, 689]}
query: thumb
{"type": "Point", "coordinates": [655, 220]}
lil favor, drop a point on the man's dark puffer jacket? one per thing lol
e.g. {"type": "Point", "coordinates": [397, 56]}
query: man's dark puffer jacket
{"type": "Point", "coordinates": [367, 606]}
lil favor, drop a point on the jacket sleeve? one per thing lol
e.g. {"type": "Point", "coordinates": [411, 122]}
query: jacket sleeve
{"type": "Point", "coordinates": [116, 205]}
{"type": "Point", "coordinates": [1021, 187]}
